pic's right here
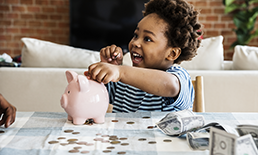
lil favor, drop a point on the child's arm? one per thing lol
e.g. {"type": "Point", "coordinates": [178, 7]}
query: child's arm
{"type": "Point", "coordinates": [152, 81]}
{"type": "Point", "coordinates": [111, 54]}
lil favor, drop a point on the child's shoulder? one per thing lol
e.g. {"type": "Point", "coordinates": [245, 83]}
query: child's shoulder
{"type": "Point", "coordinates": [178, 70]}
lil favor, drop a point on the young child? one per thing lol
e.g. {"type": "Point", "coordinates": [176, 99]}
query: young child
{"type": "Point", "coordinates": [167, 35]}
{"type": "Point", "coordinates": [7, 111]}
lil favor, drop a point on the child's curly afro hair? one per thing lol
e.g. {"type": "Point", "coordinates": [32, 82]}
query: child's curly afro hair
{"type": "Point", "coordinates": [183, 28]}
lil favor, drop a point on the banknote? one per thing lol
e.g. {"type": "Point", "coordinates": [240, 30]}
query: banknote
{"type": "Point", "coordinates": [245, 146]}
{"type": "Point", "coordinates": [198, 140]}
{"type": "Point", "coordinates": [177, 123]}
{"type": "Point", "coordinates": [224, 143]}
{"type": "Point", "coordinates": [221, 142]}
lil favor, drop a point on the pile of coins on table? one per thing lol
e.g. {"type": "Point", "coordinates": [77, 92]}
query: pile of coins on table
{"type": "Point", "coordinates": [111, 139]}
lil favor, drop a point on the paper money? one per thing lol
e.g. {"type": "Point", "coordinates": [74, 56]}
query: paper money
{"type": "Point", "coordinates": [178, 123]}
{"type": "Point", "coordinates": [198, 140]}
{"type": "Point", "coordinates": [221, 142]}
{"type": "Point", "coordinates": [245, 146]}
{"type": "Point", "coordinates": [224, 143]}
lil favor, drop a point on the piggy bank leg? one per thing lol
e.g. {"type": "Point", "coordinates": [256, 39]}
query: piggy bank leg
{"type": "Point", "coordinates": [69, 118]}
{"type": "Point", "coordinates": [78, 121]}
{"type": "Point", "coordinates": [99, 120]}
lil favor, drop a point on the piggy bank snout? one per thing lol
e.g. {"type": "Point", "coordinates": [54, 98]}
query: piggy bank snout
{"type": "Point", "coordinates": [63, 100]}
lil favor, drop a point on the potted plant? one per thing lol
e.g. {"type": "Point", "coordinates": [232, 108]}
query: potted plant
{"type": "Point", "coordinates": [244, 16]}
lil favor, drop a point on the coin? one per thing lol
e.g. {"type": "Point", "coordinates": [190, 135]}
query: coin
{"type": "Point", "coordinates": [129, 122]}
{"type": "Point", "coordinates": [77, 148]}
{"type": "Point", "coordinates": [124, 144]}
{"type": "Point", "coordinates": [63, 144]}
{"type": "Point", "coordinates": [152, 142]}
{"type": "Point", "coordinates": [105, 141]}
{"type": "Point", "coordinates": [76, 133]}
{"type": "Point", "coordinates": [150, 127]}
{"type": "Point", "coordinates": [98, 139]}
{"type": "Point", "coordinates": [142, 139]}
{"type": "Point", "coordinates": [121, 152]}
{"type": "Point", "coordinates": [89, 144]}
{"type": "Point", "coordinates": [114, 121]}
{"type": "Point", "coordinates": [53, 142]}
{"type": "Point", "coordinates": [146, 117]}
{"type": "Point", "coordinates": [81, 143]}
{"type": "Point", "coordinates": [72, 140]}
{"type": "Point", "coordinates": [113, 138]}
{"type": "Point", "coordinates": [167, 140]}
{"type": "Point", "coordinates": [1, 131]}
{"type": "Point", "coordinates": [73, 151]}
{"type": "Point", "coordinates": [106, 151]}
{"type": "Point", "coordinates": [110, 147]}
{"type": "Point", "coordinates": [59, 138]}
{"type": "Point", "coordinates": [115, 142]}
{"type": "Point", "coordinates": [85, 152]}
{"type": "Point", "coordinates": [123, 138]}
{"type": "Point", "coordinates": [105, 136]}
{"type": "Point", "coordinates": [68, 131]}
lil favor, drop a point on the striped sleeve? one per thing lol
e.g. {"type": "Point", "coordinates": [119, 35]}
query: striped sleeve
{"type": "Point", "coordinates": [186, 94]}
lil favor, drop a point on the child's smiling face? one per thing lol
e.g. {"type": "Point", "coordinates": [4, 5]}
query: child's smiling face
{"type": "Point", "coordinates": [148, 47]}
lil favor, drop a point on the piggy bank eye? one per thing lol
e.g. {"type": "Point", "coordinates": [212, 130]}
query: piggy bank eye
{"type": "Point", "coordinates": [68, 91]}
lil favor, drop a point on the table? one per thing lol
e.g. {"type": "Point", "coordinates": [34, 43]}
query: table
{"type": "Point", "coordinates": [32, 132]}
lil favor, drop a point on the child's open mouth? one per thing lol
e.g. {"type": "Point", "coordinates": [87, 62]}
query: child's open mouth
{"type": "Point", "coordinates": [137, 58]}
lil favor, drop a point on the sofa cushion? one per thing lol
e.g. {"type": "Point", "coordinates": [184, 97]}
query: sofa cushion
{"type": "Point", "coordinates": [39, 53]}
{"type": "Point", "coordinates": [209, 55]}
{"type": "Point", "coordinates": [245, 58]}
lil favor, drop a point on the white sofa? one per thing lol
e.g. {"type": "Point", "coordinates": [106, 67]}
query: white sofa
{"type": "Point", "coordinates": [39, 83]}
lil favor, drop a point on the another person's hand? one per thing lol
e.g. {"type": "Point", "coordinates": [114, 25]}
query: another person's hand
{"type": "Point", "coordinates": [112, 54]}
{"type": "Point", "coordinates": [7, 111]}
{"type": "Point", "coordinates": [103, 72]}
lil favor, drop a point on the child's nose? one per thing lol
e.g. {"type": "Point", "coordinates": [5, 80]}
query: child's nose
{"type": "Point", "coordinates": [136, 43]}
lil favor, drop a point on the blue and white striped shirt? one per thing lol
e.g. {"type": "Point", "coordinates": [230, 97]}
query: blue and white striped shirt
{"type": "Point", "coordinates": [126, 98]}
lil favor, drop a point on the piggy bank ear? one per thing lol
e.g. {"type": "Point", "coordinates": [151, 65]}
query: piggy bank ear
{"type": "Point", "coordinates": [83, 83]}
{"type": "Point", "coordinates": [71, 75]}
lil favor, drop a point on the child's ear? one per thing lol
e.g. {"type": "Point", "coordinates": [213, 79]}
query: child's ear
{"type": "Point", "coordinates": [173, 53]}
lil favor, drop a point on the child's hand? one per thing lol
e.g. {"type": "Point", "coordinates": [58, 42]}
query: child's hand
{"type": "Point", "coordinates": [103, 72]}
{"type": "Point", "coordinates": [8, 111]}
{"type": "Point", "coordinates": [111, 54]}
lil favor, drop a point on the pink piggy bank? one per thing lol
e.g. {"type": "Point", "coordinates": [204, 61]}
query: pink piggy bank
{"type": "Point", "coordinates": [84, 99]}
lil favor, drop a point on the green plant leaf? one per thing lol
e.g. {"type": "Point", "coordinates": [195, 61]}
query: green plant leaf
{"type": "Point", "coordinates": [231, 7]}
{"type": "Point", "coordinates": [228, 2]}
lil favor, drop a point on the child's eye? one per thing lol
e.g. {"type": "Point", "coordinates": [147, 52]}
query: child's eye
{"type": "Point", "coordinates": [147, 39]}
{"type": "Point", "coordinates": [135, 35]}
